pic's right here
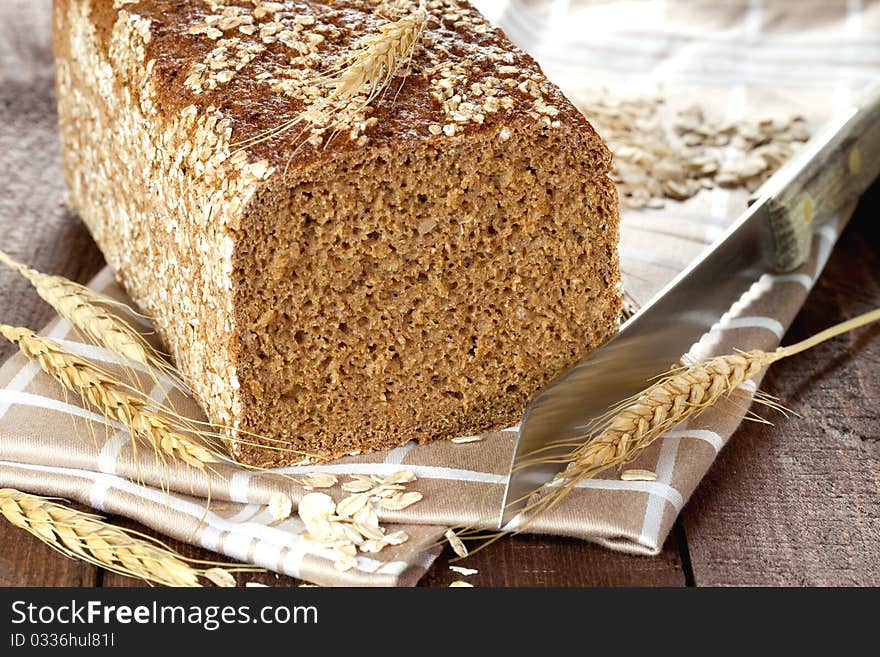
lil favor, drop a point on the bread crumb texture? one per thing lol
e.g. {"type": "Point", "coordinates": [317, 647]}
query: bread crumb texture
{"type": "Point", "coordinates": [410, 266]}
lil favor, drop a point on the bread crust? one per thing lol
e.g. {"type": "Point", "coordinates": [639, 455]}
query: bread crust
{"type": "Point", "coordinates": [281, 273]}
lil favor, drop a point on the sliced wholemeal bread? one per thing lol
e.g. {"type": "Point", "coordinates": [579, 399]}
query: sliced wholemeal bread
{"type": "Point", "coordinates": [343, 263]}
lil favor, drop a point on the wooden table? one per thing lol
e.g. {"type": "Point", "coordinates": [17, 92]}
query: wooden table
{"type": "Point", "coordinates": [795, 503]}
{"type": "Point", "coordinates": [791, 504]}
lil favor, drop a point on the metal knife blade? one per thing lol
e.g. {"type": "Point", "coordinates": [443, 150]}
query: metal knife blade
{"type": "Point", "coordinates": [836, 166]}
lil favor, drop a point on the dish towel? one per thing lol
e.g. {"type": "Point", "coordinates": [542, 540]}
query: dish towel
{"type": "Point", "coordinates": [738, 60]}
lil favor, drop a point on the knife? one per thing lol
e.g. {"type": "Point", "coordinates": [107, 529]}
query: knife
{"type": "Point", "coordinates": [773, 235]}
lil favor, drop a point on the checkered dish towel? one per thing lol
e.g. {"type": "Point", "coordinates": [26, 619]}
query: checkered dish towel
{"type": "Point", "coordinates": [738, 60]}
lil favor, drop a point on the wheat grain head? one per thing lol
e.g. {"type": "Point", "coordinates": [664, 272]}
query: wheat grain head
{"type": "Point", "coordinates": [87, 310]}
{"type": "Point", "coordinates": [115, 400]}
{"type": "Point", "coordinates": [87, 537]}
{"type": "Point", "coordinates": [359, 77]}
{"type": "Point", "coordinates": [683, 393]}
{"type": "Point", "coordinates": [376, 58]}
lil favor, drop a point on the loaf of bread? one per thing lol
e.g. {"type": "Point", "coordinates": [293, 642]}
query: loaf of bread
{"type": "Point", "coordinates": [354, 222]}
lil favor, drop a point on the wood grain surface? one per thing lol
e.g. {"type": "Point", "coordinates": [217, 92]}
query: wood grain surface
{"type": "Point", "coordinates": [794, 503]}
{"type": "Point", "coordinates": [798, 503]}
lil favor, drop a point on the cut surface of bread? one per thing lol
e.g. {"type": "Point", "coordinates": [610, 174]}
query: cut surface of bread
{"type": "Point", "coordinates": [410, 266]}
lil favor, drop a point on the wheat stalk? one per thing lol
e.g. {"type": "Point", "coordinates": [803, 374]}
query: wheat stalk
{"type": "Point", "coordinates": [86, 536]}
{"type": "Point", "coordinates": [160, 426]}
{"type": "Point", "coordinates": [86, 310]}
{"type": "Point", "coordinates": [683, 393]}
{"type": "Point", "coordinates": [376, 58]}
{"type": "Point", "coordinates": [111, 397]}
{"type": "Point", "coordinates": [367, 70]}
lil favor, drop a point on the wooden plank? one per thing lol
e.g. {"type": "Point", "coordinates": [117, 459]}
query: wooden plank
{"type": "Point", "coordinates": [797, 503]}
{"type": "Point", "coordinates": [27, 561]}
{"type": "Point", "coordinates": [552, 561]}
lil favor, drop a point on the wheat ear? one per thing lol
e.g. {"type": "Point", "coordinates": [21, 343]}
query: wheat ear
{"type": "Point", "coordinates": [115, 400]}
{"type": "Point", "coordinates": [367, 70]}
{"type": "Point", "coordinates": [376, 58]}
{"type": "Point", "coordinates": [86, 310]}
{"type": "Point", "coordinates": [683, 393]}
{"type": "Point", "coordinates": [86, 536]}
{"type": "Point", "coordinates": [129, 406]}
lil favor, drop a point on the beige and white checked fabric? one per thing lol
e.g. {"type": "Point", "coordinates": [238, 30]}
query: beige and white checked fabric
{"type": "Point", "coordinates": [739, 59]}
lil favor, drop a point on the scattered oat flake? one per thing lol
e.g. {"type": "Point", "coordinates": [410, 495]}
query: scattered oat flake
{"type": "Point", "coordinates": [220, 577]}
{"type": "Point", "coordinates": [372, 533]}
{"type": "Point", "coordinates": [351, 525]}
{"type": "Point", "coordinates": [466, 439]}
{"type": "Point", "coordinates": [638, 475]}
{"type": "Point", "coordinates": [372, 546]}
{"type": "Point", "coordinates": [367, 516]}
{"type": "Point", "coordinates": [357, 486]}
{"type": "Point", "coordinates": [252, 585]}
{"type": "Point", "coordinates": [397, 538]}
{"type": "Point", "coordinates": [658, 157]}
{"type": "Point", "coordinates": [456, 543]}
{"type": "Point", "coordinates": [319, 480]}
{"type": "Point", "coordinates": [461, 570]}
{"type": "Point", "coordinates": [315, 510]}
{"type": "Point", "coordinates": [351, 505]}
{"type": "Point", "coordinates": [337, 531]}
{"type": "Point", "coordinates": [344, 549]}
{"type": "Point", "coordinates": [316, 504]}
{"type": "Point", "coordinates": [280, 506]}
{"type": "Point", "coordinates": [400, 477]}
{"type": "Point", "coordinates": [459, 584]}
{"type": "Point", "coordinates": [401, 501]}
{"type": "Point", "coordinates": [352, 533]}
{"type": "Point", "coordinates": [387, 490]}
